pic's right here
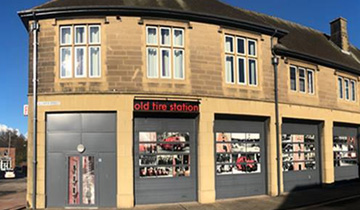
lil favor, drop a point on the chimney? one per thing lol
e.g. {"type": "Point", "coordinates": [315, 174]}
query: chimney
{"type": "Point", "coordinates": [339, 33]}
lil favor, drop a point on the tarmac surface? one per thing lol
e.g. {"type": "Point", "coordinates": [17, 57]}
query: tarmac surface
{"type": "Point", "coordinates": [345, 195]}
{"type": "Point", "coordinates": [12, 194]}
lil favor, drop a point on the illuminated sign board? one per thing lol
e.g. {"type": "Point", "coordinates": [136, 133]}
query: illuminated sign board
{"type": "Point", "coordinates": [166, 106]}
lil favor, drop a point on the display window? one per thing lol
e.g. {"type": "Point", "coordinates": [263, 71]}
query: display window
{"type": "Point", "coordinates": [164, 154]}
{"type": "Point", "coordinates": [345, 153]}
{"type": "Point", "coordinates": [74, 183]}
{"type": "Point", "coordinates": [237, 153]}
{"type": "Point", "coordinates": [298, 152]}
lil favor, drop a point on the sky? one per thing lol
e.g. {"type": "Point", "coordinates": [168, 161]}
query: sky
{"type": "Point", "coordinates": [14, 42]}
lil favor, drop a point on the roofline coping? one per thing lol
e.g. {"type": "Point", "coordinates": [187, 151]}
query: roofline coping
{"type": "Point", "coordinates": [31, 14]}
{"type": "Point", "coordinates": [279, 50]}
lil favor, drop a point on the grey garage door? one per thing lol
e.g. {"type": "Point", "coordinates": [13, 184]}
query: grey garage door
{"type": "Point", "coordinates": [86, 178]}
{"type": "Point", "coordinates": [300, 155]}
{"type": "Point", "coordinates": [165, 160]}
{"type": "Point", "coordinates": [345, 148]}
{"type": "Point", "coordinates": [240, 158]}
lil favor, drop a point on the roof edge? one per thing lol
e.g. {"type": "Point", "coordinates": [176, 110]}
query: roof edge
{"type": "Point", "coordinates": [27, 15]}
{"type": "Point", "coordinates": [279, 50]}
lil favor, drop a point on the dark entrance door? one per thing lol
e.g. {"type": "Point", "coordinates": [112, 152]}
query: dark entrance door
{"type": "Point", "coordinates": [300, 155]}
{"type": "Point", "coordinates": [345, 148]}
{"type": "Point", "coordinates": [240, 158]}
{"type": "Point", "coordinates": [81, 160]}
{"type": "Point", "coordinates": [165, 160]}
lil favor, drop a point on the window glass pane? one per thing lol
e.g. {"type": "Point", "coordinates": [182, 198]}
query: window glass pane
{"type": "Point", "coordinates": [229, 68]}
{"type": "Point", "coordinates": [240, 46]}
{"type": "Point", "coordinates": [80, 35]}
{"type": "Point", "coordinates": [73, 180]}
{"type": "Point", "coordinates": [241, 70]}
{"type": "Point", "coordinates": [293, 78]}
{"type": "Point", "coordinates": [310, 81]}
{"type": "Point", "coordinates": [229, 44]}
{"type": "Point", "coordinates": [353, 91]}
{"type": "Point", "coordinates": [65, 35]}
{"type": "Point", "coordinates": [88, 180]}
{"type": "Point", "coordinates": [165, 63]}
{"type": "Point", "coordinates": [178, 37]}
{"type": "Point", "coordinates": [347, 94]}
{"type": "Point", "coordinates": [80, 61]}
{"type": "Point", "coordinates": [252, 47]}
{"type": "Point", "coordinates": [340, 84]}
{"type": "Point", "coordinates": [165, 36]}
{"type": "Point", "coordinates": [345, 152]}
{"type": "Point", "coordinates": [151, 36]}
{"type": "Point", "coordinates": [302, 80]}
{"type": "Point", "coordinates": [152, 62]}
{"type": "Point", "coordinates": [252, 72]}
{"type": "Point", "coordinates": [66, 62]}
{"type": "Point", "coordinates": [95, 62]}
{"type": "Point", "coordinates": [94, 34]}
{"type": "Point", "coordinates": [179, 64]}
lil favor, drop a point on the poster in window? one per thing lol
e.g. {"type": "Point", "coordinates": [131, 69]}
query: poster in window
{"type": "Point", "coordinates": [88, 180]}
{"type": "Point", "coordinates": [73, 180]}
{"type": "Point", "coordinates": [173, 142]}
{"type": "Point", "coordinates": [344, 148]}
{"type": "Point", "coordinates": [223, 138]}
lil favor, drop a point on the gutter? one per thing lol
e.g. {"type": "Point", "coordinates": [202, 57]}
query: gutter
{"type": "Point", "coordinates": [275, 63]}
{"type": "Point", "coordinates": [314, 59]}
{"type": "Point", "coordinates": [34, 29]}
{"type": "Point", "coordinates": [27, 15]}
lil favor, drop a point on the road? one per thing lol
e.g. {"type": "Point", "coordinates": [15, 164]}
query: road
{"type": "Point", "coordinates": [351, 203]}
{"type": "Point", "coordinates": [12, 193]}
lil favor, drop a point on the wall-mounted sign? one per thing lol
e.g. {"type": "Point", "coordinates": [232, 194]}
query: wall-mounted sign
{"type": "Point", "coordinates": [48, 103]}
{"type": "Point", "coordinates": [26, 110]}
{"type": "Point", "coordinates": [166, 106]}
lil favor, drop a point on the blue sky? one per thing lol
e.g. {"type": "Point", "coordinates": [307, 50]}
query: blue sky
{"type": "Point", "coordinates": [14, 41]}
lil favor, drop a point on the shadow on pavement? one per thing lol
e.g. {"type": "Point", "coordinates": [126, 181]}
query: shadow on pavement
{"type": "Point", "coordinates": [316, 194]}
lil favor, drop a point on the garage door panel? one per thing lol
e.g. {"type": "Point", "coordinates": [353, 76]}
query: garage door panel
{"type": "Point", "coordinates": [239, 145]}
{"type": "Point", "coordinates": [64, 122]}
{"type": "Point", "coordinates": [107, 170]}
{"type": "Point", "coordinates": [301, 155]}
{"type": "Point", "coordinates": [59, 142]}
{"type": "Point", "coordinates": [345, 148]}
{"type": "Point", "coordinates": [56, 184]}
{"type": "Point", "coordinates": [100, 142]}
{"type": "Point", "coordinates": [346, 173]}
{"type": "Point", "coordinates": [99, 122]}
{"type": "Point", "coordinates": [171, 184]}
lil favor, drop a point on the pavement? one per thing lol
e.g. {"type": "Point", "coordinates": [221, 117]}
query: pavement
{"type": "Point", "coordinates": [344, 195]}
{"type": "Point", "coordinates": [12, 194]}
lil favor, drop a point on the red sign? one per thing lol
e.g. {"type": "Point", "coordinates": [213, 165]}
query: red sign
{"type": "Point", "coordinates": [26, 110]}
{"type": "Point", "coordinates": [166, 106]}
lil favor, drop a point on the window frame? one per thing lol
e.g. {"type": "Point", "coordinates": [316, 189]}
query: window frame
{"type": "Point", "coordinates": [161, 63]}
{"type": "Point", "coordinates": [173, 39]}
{"type": "Point", "coordinates": [256, 72]}
{"type": "Point", "coordinates": [347, 89]}
{"type": "Point", "coordinates": [147, 35]}
{"type": "Point", "coordinates": [312, 81]}
{"type": "Point", "coordinates": [255, 48]}
{"type": "Point", "coordinates": [71, 35]}
{"type": "Point", "coordinates": [100, 69]}
{"type": "Point", "coordinates": [232, 37]}
{"type": "Point", "coordinates": [85, 62]}
{"type": "Point", "coordinates": [353, 90]}
{"type": "Point", "coordinates": [237, 46]}
{"type": "Point", "coordinates": [71, 60]}
{"type": "Point", "coordinates": [157, 62]}
{"type": "Point", "coordinates": [304, 77]}
{"type": "Point", "coordinates": [170, 36]}
{"type": "Point", "coordinates": [85, 35]}
{"type": "Point", "coordinates": [340, 82]}
{"type": "Point", "coordinates": [238, 70]}
{"type": "Point", "coordinates": [233, 69]}
{"type": "Point", "coordinates": [296, 77]}
{"type": "Point", "coordinates": [183, 64]}
{"type": "Point", "coordinates": [89, 37]}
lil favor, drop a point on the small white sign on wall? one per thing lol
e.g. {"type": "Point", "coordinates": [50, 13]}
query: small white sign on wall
{"type": "Point", "coordinates": [49, 103]}
{"type": "Point", "coordinates": [26, 110]}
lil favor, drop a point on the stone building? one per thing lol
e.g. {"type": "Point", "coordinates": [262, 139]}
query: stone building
{"type": "Point", "coordinates": [146, 101]}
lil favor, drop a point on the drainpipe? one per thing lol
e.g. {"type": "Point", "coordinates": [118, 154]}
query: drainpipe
{"type": "Point", "coordinates": [275, 62]}
{"type": "Point", "coordinates": [34, 29]}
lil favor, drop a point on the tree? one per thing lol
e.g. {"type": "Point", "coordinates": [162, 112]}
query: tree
{"type": "Point", "coordinates": [18, 141]}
